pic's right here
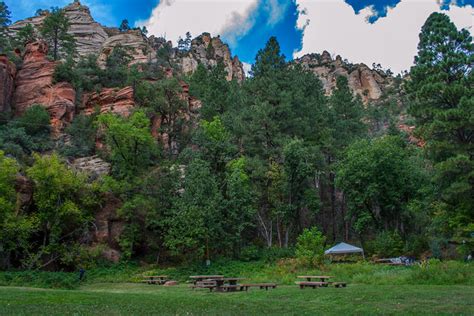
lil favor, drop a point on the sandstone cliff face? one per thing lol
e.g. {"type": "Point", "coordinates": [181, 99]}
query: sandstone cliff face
{"type": "Point", "coordinates": [34, 85]}
{"type": "Point", "coordinates": [93, 38]}
{"type": "Point", "coordinates": [209, 51]}
{"type": "Point", "coordinates": [7, 79]}
{"type": "Point", "coordinates": [89, 34]}
{"type": "Point", "coordinates": [137, 44]}
{"type": "Point", "coordinates": [113, 100]}
{"type": "Point", "coordinates": [367, 83]}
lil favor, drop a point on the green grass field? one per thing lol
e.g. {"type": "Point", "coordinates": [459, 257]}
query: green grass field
{"type": "Point", "coordinates": [141, 299]}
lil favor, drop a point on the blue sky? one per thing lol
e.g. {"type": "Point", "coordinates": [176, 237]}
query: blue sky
{"type": "Point", "coordinates": [301, 26]}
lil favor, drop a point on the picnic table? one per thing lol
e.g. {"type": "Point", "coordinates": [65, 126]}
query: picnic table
{"type": "Point", "coordinates": [198, 278]}
{"type": "Point", "coordinates": [324, 281]}
{"type": "Point", "coordinates": [217, 282]}
{"type": "Point", "coordinates": [155, 279]}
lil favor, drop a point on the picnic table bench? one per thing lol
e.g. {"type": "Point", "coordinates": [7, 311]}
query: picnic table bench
{"type": "Point", "coordinates": [198, 278]}
{"type": "Point", "coordinates": [262, 286]}
{"type": "Point", "coordinates": [308, 278]}
{"type": "Point", "coordinates": [155, 279]}
{"type": "Point", "coordinates": [215, 282]}
{"type": "Point", "coordinates": [312, 284]}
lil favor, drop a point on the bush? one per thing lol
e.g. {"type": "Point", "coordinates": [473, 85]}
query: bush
{"type": "Point", "coordinates": [310, 246]}
{"type": "Point", "coordinates": [388, 244]}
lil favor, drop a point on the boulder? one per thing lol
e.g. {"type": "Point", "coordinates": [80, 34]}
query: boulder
{"type": "Point", "coordinates": [34, 85]}
{"type": "Point", "coordinates": [7, 83]}
{"type": "Point", "coordinates": [94, 166]}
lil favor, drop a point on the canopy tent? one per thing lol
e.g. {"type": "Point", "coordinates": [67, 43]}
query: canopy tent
{"type": "Point", "coordinates": [343, 248]}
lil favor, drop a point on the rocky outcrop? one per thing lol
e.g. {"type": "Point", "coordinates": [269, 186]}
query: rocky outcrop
{"type": "Point", "coordinates": [93, 166]}
{"type": "Point", "coordinates": [34, 85]}
{"type": "Point", "coordinates": [108, 225]}
{"type": "Point", "coordinates": [133, 41]}
{"type": "Point", "coordinates": [113, 100]}
{"type": "Point", "coordinates": [89, 34]}
{"type": "Point", "coordinates": [24, 189]}
{"type": "Point", "coordinates": [209, 51]}
{"type": "Point", "coordinates": [368, 83]}
{"type": "Point", "coordinates": [7, 83]}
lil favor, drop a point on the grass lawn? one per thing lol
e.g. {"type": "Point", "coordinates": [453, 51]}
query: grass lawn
{"type": "Point", "coordinates": [139, 299]}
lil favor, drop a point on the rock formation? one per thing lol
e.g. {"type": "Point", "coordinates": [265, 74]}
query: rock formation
{"type": "Point", "coordinates": [89, 34]}
{"type": "Point", "coordinates": [209, 51]}
{"type": "Point", "coordinates": [93, 38]}
{"type": "Point", "coordinates": [369, 84]}
{"type": "Point", "coordinates": [94, 166]}
{"type": "Point", "coordinates": [114, 100]}
{"type": "Point", "coordinates": [133, 40]}
{"type": "Point", "coordinates": [34, 85]}
{"type": "Point", "coordinates": [7, 85]}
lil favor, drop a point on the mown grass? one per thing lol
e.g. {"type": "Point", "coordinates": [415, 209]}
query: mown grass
{"type": "Point", "coordinates": [138, 299]}
{"type": "Point", "coordinates": [283, 272]}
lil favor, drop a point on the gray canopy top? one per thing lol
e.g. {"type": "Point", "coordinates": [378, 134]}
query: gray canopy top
{"type": "Point", "coordinates": [342, 248]}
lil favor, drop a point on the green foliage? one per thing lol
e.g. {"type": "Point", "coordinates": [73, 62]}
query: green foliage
{"type": "Point", "coordinates": [164, 101]}
{"type": "Point", "coordinates": [116, 67]}
{"type": "Point", "coordinates": [132, 148]}
{"type": "Point", "coordinates": [24, 36]}
{"type": "Point", "coordinates": [310, 246]}
{"type": "Point", "coordinates": [15, 227]}
{"type": "Point", "coordinates": [63, 203]}
{"type": "Point", "coordinates": [442, 102]}
{"type": "Point", "coordinates": [124, 26]}
{"type": "Point", "coordinates": [5, 21]}
{"type": "Point", "coordinates": [195, 224]}
{"type": "Point", "coordinates": [268, 59]}
{"type": "Point", "coordinates": [27, 133]}
{"type": "Point", "coordinates": [83, 133]}
{"type": "Point", "coordinates": [378, 178]}
{"type": "Point", "coordinates": [54, 30]}
{"type": "Point", "coordinates": [388, 244]}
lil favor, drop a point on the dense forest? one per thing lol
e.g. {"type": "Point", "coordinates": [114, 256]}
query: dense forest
{"type": "Point", "coordinates": [254, 164]}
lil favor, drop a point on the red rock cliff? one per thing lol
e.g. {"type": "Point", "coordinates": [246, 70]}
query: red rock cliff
{"type": "Point", "coordinates": [34, 85]}
{"type": "Point", "coordinates": [7, 78]}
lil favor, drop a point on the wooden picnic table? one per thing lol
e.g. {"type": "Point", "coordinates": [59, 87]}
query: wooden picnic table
{"type": "Point", "coordinates": [219, 282]}
{"type": "Point", "coordinates": [197, 278]}
{"type": "Point", "coordinates": [323, 278]}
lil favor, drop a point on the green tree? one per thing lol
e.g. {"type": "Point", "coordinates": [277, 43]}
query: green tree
{"type": "Point", "coordinates": [310, 246]}
{"type": "Point", "coordinates": [25, 35]}
{"type": "Point", "coordinates": [83, 134]}
{"type": "Point", "coordinates": [27, 133]}
{"type": "Point", "coordinates": [54, 30]}
{"type": "Point", "coordinates": [379, 178]}
{"type": "Point", "coordinates": [4, 23]}
{"type": "Point", "coordinates": [194, 227]}
{"type": "Point", "coordinates": [132, 148]}
{"type": "Point", "coordinates": [124, 26]}
{"type": "Point", "coordinates": [268, 59]}
{"type": "Point", "coordinates": [239, 204]}
{"type": "Point", "coordinates": [116, 67]}
{"type": "Point", "coordinates": [15, 227]}
{"type": "Point", "coordinates": [442, 101]}
{"type": "Point", "coordinates": [63, 204]}
{"type": "Point", "coordinates": [164, 102]}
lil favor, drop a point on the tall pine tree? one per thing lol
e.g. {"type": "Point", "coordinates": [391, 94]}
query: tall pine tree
{"type": "Point", "coordinates": [442, 102]}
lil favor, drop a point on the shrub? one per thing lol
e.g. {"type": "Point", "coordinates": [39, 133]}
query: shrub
{"type": "Point", "coordinates": [388, 244]}
{"type": "Point", "coordinates": [310, 246]}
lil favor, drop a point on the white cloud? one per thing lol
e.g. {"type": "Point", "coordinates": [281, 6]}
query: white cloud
{"type": "Point", "coordinates": [391, 41]}
{"type": "Point", "coordinates": [247, 68]}
{"type": "Point", "coordinates": [173, 18]}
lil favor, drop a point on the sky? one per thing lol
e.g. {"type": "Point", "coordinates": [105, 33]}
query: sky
{"type": "Point", "coordinates": [370, 31]}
